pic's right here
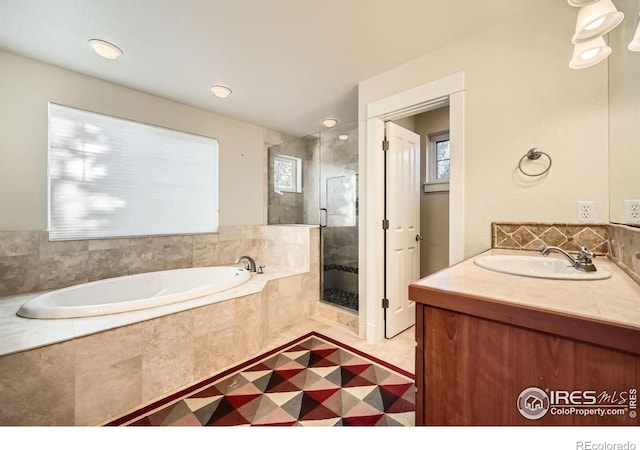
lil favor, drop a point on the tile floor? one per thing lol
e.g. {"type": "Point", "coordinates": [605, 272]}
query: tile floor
{"type": "Point", "coordinates": [313, 382]}
{"type": "Point", "coordinates": [399, 351]}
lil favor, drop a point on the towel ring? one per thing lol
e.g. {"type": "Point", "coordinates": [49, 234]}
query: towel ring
{"type": "Point", "coordinates": [534, 154]}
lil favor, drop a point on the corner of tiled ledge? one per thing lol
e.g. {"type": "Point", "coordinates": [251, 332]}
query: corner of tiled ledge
{"type": "Point", "coordinates": [624, 249]}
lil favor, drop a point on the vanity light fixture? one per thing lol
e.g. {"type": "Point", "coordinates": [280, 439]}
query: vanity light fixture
{"type": "Point", "coordinates": [220, 91]}
{"type": "Point", "coordinates": [579, 3]}
{"type": "Point", "coordinates": [634, 45]}
{"type": "Point", "coordinates": [586, 54]}
{"type": "Point", "coordinates": [105, 49]}
{"type": "Point", "coordinates": [596, 19]}
{"type": "Point", "coordinates": [330, 122]}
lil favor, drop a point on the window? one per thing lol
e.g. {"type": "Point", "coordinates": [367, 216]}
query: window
{"type": "Point", "coordinates": [438, 162]}
{"type": "Point", "coordinates": [287, 174]}
{"type": "Point", "coordinates": [110, 177]}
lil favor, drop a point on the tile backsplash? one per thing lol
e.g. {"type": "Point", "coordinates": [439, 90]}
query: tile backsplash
{"type": "Point", "coordinates": [535, 236]}
{"type": "Point", "coordinates": [620, 243]}
{"type": "Point", "coordinates": [29, 262]}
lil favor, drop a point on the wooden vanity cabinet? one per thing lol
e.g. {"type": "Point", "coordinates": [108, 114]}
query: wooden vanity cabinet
{"type": "Point", "coordinates": [475, 357]}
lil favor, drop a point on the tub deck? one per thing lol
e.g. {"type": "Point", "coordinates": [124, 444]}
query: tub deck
{"type": "Point", "coordinates": [19, 334]}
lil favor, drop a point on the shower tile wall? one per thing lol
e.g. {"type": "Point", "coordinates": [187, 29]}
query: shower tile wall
{"type": "Point", "coordinates": [294, 207]}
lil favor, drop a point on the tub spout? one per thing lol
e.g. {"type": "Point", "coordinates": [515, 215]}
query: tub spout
{"type": "Point", "coordinates": [249, 263]}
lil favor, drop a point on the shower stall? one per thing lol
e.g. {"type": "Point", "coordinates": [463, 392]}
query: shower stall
{"type": "Point", "coordinates": [314, 181]}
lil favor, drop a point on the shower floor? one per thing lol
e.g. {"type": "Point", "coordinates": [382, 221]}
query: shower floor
{"type": "Point", "coordinates": [341, 298]}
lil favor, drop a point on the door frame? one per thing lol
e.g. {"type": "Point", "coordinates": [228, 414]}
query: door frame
{"type": "Point", "coordinates": [448, 90]}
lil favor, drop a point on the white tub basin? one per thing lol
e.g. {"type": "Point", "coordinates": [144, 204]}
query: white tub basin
{"type": "Point", "coordinates": [537, 267]}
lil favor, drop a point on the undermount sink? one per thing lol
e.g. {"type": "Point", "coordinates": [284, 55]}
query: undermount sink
{"type": "Point", "coordinates": [537, 267]}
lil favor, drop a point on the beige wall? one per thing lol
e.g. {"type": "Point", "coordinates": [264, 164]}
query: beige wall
{"type": "Point", "coordinates": [434, 206]}
{"type": "Point", "coordinates": [519, 94]}
{"type": "Point", "coordinates": [27, 85]}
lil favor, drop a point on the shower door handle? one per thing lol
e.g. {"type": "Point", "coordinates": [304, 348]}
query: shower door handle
{"type": "Point", "coordinates": [325, 218]}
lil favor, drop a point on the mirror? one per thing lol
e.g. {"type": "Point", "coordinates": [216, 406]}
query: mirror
{"type": "Point", "coordinates": [624, 118]}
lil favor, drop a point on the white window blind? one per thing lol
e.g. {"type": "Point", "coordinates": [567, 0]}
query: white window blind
{"type": "Point", "coordinates": [110, 177]}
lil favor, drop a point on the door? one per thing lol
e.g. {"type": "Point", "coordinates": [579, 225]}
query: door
{"type": "Point", "coordinates": [338, 181]}
{"type": "Point", "coordinates": [402, 237]}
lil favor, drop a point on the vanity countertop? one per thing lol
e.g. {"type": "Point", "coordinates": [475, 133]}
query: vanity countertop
{"type": "Point", "coordinates": [605, 312]}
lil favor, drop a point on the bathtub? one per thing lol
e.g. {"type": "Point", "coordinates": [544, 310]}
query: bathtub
{"type": "Point", "coordinates": [133, 292]}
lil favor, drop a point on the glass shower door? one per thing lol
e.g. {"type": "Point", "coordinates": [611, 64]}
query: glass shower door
{"type": "Point", "coordinates": [314, 181]}
{"type": "Point", "coordinates": [338, 219]}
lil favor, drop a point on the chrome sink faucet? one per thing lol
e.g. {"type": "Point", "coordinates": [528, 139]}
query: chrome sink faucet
{"type": "Point", "coordinates": [582, 262]}
{"type": "Point", "coordinates": [249, 263]}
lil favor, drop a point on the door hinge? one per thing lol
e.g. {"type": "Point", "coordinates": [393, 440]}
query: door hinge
{"type": "Point", "coordinates": [385, 303]}
{"type": "Point", "coordinates": [385, 145]}
{"type": "Point", "coordinates": [385, 224]}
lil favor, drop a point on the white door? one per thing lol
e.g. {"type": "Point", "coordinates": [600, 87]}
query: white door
{"type": "Point", "coordinates": [403, 235]}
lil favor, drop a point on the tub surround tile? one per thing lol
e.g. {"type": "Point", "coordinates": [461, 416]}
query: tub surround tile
{"type": "Point", "coordinates": [166, 368]}
{"type": "Point", "coordinates": [17, 274]}
{"type": "Point", "coordinates": [146, 360]}
{"type": "Point", "coordinates": [20, 243]}
{"type": "Point", "coordinates": [62, 269]}
{"type": "Point", "coordinates": [535, 236]}
{"type": "Point", "coordinates": [214, 351]}
{"type": "Point", "coordinates": [206, 252]}
{"type": "Point", "coordinates": [37, 387]}
{"type": "Point", "coordinates": [143, 355]}
{"type": "Point", "coordinates": [107, 389]}
{"type": "Point", "coordinates": [29, 262]}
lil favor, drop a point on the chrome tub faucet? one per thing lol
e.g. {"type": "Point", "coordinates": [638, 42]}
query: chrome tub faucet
{"type": "Point", "coordinates": [248, 261]}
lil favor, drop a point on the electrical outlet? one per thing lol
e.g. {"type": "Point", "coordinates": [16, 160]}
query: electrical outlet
{"type": "Point", "coordinates": [632, 210]}
{"type": "Point", "coordinates": [587, 211]}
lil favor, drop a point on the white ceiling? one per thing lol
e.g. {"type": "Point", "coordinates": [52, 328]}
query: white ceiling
{"type": "Point", "coordinates": [290, 63]}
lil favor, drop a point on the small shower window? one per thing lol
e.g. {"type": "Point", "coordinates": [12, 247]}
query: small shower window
{"type": "Point", "coordinates": [287, 174]}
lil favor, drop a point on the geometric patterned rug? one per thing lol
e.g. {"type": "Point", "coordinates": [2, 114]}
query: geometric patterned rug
{"type": "Point", "coordinates": [311, 381]}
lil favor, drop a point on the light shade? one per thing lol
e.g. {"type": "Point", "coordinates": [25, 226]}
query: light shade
{"type": "Point", "coordinates": [220, 91]}
{"type": "Point", "coordinates": [588, 53]}
{"type": "Point", "coordinates": [596, 19]}
{"type": "Point", "coordinates": [105, 49]}
{"type": "Point", "coordinates": [330, 122]}
{"type": "Point", "coordinates": [634, 45]}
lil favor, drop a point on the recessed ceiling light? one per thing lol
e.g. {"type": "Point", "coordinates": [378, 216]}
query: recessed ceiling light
{"type": "Point", "coordinates": [105, 49]}
{"type": "Point", "coordinates": [330, 122]}
{"type": "Point", "coordinates": [220, 91]}
{"type": "Point", "coordinates": [343, 137]}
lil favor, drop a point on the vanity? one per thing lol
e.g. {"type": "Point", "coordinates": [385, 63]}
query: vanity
{"type": "Point", "coordinates": [501, 349]}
